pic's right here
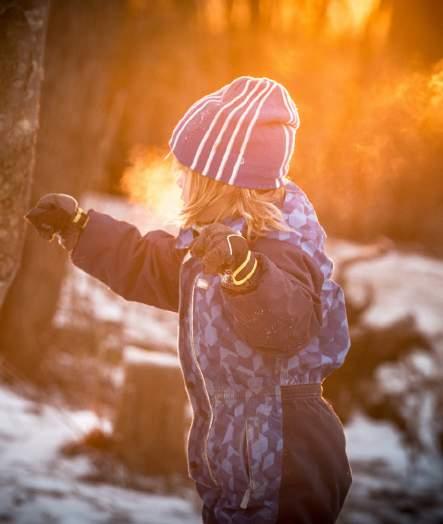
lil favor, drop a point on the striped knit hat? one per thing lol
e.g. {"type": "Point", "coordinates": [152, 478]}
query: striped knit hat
{"type": "Point", "coordinates": [242, 135]}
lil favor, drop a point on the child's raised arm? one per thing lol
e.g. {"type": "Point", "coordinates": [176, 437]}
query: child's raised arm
{"type": "Point", "coordinates": [139, 268]}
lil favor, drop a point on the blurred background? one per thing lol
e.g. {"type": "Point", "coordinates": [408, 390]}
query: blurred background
{"type": "Point", "coordinates": [91, 91]}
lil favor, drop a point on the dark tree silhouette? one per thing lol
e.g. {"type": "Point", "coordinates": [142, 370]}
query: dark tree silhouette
{"type": "Point", "coordinates": [72, 144]}
{"type": "Point", "coordinates": [22, 43]}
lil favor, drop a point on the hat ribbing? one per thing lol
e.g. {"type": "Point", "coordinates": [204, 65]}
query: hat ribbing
{"type": "Point", "coordinates": [242, 135]}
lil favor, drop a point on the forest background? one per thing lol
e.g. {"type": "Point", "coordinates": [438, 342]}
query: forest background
{"type": "Point", "coordinates": [90, 92]}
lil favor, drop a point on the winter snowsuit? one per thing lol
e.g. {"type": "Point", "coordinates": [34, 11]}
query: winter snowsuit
{"type": "Point", "coordinates": [264, 445]}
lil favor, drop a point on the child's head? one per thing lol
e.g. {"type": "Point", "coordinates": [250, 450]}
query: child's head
{"type": "Point", "coordinates": [235, 147]}
{"type": "Point", "coordinates": [206, 201]}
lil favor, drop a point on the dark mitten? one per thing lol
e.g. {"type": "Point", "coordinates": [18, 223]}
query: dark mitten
{"type": "Point", "coordinates": [58, 214]}
{"type": "Point", "coordinates": [223, 250]}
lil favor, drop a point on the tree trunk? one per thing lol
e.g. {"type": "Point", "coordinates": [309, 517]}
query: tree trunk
{"type": "Point", "coordinates": [22, 42]}
{"type": "Point", "coordinates": [72, 147]}
{"type": "Point", "coordinates": [150, 424]}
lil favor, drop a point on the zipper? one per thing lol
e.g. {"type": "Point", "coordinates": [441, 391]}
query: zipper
{"type": "Point", "coordinates": [245, 500]}
{"type": "Point", "coordinates": [191, 328]}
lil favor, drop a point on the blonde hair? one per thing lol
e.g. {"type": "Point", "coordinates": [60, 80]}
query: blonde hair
{"type": "Point", "coordinates": [259, 207]}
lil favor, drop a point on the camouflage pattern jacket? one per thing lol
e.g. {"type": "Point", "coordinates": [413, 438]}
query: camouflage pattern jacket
{"type": "Point", "coordinates": [235, 349]}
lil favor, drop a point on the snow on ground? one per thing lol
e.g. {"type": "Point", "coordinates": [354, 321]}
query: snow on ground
{"type": "Point", "coordinates": [403, 282]}
{"type": "Point", "coordinates": [37, 485]}
{"type": "Point", "coordinates": [361, 434]}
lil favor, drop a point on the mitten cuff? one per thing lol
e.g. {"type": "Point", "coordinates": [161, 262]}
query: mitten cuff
{"type": "Point", "coordinates": [80, 219]}
{"type": "Point", "coordinates": [70, 235]}
{"type": "Point", "coordinates": [245, 277]}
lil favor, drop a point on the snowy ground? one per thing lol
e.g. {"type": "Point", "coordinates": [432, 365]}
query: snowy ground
{"type": "Point", "coordinates": [403, 282]}
{"type": "Point", "coordinates": [37, 485]}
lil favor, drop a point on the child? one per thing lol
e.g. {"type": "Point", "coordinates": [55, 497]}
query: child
{"type": "Point", "coordinates": [261, 323]}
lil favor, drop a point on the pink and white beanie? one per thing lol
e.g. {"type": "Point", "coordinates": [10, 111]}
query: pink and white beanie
{"type": "Point", "coordinates": [242, 135]}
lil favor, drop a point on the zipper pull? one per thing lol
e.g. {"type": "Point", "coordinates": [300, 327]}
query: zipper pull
{"type": "Point", "coordinates": [245, 499]}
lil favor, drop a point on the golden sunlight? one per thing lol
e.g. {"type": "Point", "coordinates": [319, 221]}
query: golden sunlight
{"type": "Point", "coordinates": [435, 86]}
{"type": "Point", "coordinates": [214, 14]}
{"type": "Point", "coordinates": [355, 17]}
{"type": "Point", "coordinates": [421, 96]}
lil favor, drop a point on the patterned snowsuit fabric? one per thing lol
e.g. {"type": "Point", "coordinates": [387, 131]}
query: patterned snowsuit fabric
{"type": "Point", "coordinates": [237, 352]}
